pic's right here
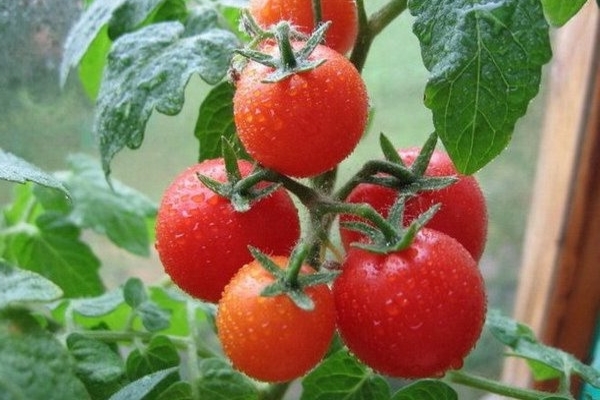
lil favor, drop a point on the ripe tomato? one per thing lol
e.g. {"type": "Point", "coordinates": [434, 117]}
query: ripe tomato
{"type": "Point", "coordinates": [463, 214]}
{"type": "Point", "coordinates": [202, 241]}
{"type": "Point", "coordinates": [342, 14]}
{"type": "Point", "coordinates": [305, 124]}
{"type": "Point", "coordinates": [270, 338]}
{"type": "Point", "coordinates": [413, 313]}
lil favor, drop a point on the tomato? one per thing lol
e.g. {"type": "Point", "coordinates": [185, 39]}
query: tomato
{"type": "Point", "coordinates": [305, 124]}
{"type": "Point", "coordinates": [414, 313]}
{"type": "Point", "coordinates": [463, 214]}
{"type": "Point", "coordinates": [342, 14]}
{"type": "Point", "coordinates": [270, 338]}
{"type": "Point", "coordinates": [202, 241]}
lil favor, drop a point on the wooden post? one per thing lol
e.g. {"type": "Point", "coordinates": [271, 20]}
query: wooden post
{"type": "Point", "coordinates": [559, 289]}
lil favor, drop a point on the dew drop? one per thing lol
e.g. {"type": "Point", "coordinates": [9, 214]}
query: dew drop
{"type": "Point", "coordinates": [457, 364]}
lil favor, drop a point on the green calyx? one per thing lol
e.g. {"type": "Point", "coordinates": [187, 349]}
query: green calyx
{"type": "Point", "coordinates": [387, 235]}
{"type": "Point", "coordinates": [290, 282]}
{"type": "Point", "coordinates": [241, 191]}
{"type": "Point", "coordinates": [290, 61]}
{"type": "Point", "coordinates": [393, 173]}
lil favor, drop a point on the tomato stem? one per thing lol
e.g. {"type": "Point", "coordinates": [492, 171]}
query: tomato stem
{"type": "Point", "coordinates": [295, 264]}
{"type": "Point", "coordinates": [370, 27]}
{"type": "Point", "coordinates": [492, 386]}
{"type": "Point", "coordinates": [288, 58]}
{"type": "Point", "coordinates": [371, 168]}
{"type": "Point", "coordinates": [366, 211]}
{"type": "Point", "coordinates": [317, 12]}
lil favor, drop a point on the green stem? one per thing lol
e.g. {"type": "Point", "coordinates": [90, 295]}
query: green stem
{"type": "Point", "coordinates": [364, 38]}
{"type": "Point", "coordinates": [308, 196]}
{"type": "Point", "coordinates": [374, 167]}
{"type": "Point", "coordinates": [364, 211]}
{"type": "Point", "coordinates": [192, 349]}
{"type": "Point", "coordinates": [245, 184]}
{"type": "Point", "coordinates": [116, 336]}
{"type": "Point", "coordinates": [317, 12]}
{"type": "Point", "coordinates": [131, 336]}
{"type": "Point", "coordinates": [369, 28]}
{"type": "Point", "coordinates": [492, 386]}
{"type": "Point", "coordinates": [295, 264]}
{"type": "Point", "coordinates": [288, 58]}
{"type": "Point", "coordinates": [325, 182]}
{"type": "Point", "coordinates": [388, 13]}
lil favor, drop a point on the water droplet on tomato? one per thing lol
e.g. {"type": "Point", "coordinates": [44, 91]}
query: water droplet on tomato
{"type": "Point", "coordinates": [416, 325]}
{"type": "Point", "coordinates": [457, 364]}
{"type": "Point", "coordinates": [391, 308]}
{"type": "Point", "coordinates": [198, 198]}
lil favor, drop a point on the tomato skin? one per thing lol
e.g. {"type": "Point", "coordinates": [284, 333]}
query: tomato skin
{"type": "Point", "coordinates": [414, 313]}
{"type": "Point", "coordinates": [343, 15]}
{"type": "Point", "coordinates": [305, 124]}
{"type": "Point", "coordinates": [463, 214]}
{"type": "Point", "coordinates": [270, 338]}
{"type": "Point", "coordinates": [202, 241]}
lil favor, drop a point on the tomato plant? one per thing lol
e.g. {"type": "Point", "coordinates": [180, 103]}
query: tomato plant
{"type": "Point", "coordinates": [463, 212]}
{"type": "Point", "coordinates": [413, 313]}
{"type": "Point", "coordinates": [270, 338]}
{"type": "Point", "coordinates": [202, 240]}
{"type": "Point", "coordinates": [324, 109]}
{"type": "Point", "coordinates": [342, 14]}
{"type": "Point", "coordinates": [262, 300]}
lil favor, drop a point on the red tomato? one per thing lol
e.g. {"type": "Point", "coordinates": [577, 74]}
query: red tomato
{"type": "Point", "coordinates": [202, 241]}
{"type": "Point", "coordinates": [463, 214]}
{"type": "Point", "coordinates": [305, 124]}
{"type": "Point", "coordinates": [270, 338]}
{"type": "Point", "coordinates": [414, 313]}
{"type": "Point", "coordinates": [342, 14]}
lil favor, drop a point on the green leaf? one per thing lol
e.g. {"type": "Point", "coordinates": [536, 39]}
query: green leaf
{"type": "Point", "coordinates": [18, 286]}
{"type": "Point", "coordinates": [91, 65]}
{"type": "Point", "coordinates": [52, 248]}
{"type": "Point", "coordinates": [215, 121]}
{"type": "Point", "coordinates": [485, 59]}
{"type": "Point", "coordinates": [149, 69]}
{"type": "Point", "coordinates": [119, 212]}
{"type": "Point", "coordinates": [23, 209]}
{"type": "Point", "coordinates": [99, 305]}
{"type": "Point", "coordinates": [218, 381]}
{"type": "Point", "coordinates": [559, 12]}
{"type": "Point", "coordinates": [126, 17]}
{"type": "Point", "coordinates": [341, 376]}
{"type": "Point", "coordinates": [34, 364]}
{"type": "Point", "coordinates": [134, 292]}
{"type": "Point", "coordinates": [542, 358]}
{"type": "Point", "coordinates": [15, 169]}
{"type": "Point", "coordinates": [426, 390]}
{"type": "Point", "coordinates": [153, 317]}
{"type": "Point", "coordinates": [133, 13]}
{"type": "Point", "coordinates": [97, 365]}
{"type": "Point", "coordinates": [167, 299]}
{"type": "Point", "coordinates": [83, 33]}
{"type": "Point", "coordinates": [139, 389]}
{"type": "Point", "coordinates": [177, 391]}
{"type": "Point", "coordinates": [160, 354]}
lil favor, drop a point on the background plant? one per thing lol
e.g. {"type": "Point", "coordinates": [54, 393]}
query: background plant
{"type": "Point", "coordinates": [55, 306]}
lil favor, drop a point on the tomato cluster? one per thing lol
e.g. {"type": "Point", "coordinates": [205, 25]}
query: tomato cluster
{"type": "Point", "coordinates": [202, 241]}
{"type": "Point", "coordinates": [409, 309]}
